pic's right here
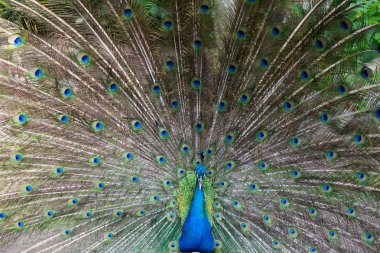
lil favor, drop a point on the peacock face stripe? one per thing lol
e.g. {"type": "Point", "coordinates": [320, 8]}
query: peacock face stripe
{"type": "Point", "coordinates": [181, 126]}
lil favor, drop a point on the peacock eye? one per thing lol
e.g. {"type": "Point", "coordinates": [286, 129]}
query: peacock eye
{"type": "Point", "coordinates": [197, 44]}
{"type": "Point", "coordinates": [168, 25]}
{"type": "Point", "coordinates": [263, 63]}
{"type": "Point", "coordinates": [196, 84]}
{"type": "Point", "coordinates": [128, 12]}
{"type": "Point", "coordinates": [156, 89]}
{"type": "Point", "coordinates": [304, 75]}
{"type": "Point", "coordinates": [232, 69]}
{"type": "Point", "coordinates": [83, 58]}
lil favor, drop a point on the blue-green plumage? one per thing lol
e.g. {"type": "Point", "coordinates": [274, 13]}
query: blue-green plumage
{"type": "Point", "coordinates": [196, 233]}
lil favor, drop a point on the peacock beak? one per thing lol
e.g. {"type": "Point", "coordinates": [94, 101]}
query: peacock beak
{"type": "Point", "coordinates": [200, 181]}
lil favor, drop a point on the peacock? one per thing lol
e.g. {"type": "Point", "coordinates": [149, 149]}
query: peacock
{"type": "Point", "coordinates": [209, 126]}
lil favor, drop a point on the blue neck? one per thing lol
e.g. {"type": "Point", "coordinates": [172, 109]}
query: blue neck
{"type": "Point", "coordinates": [196, 233]}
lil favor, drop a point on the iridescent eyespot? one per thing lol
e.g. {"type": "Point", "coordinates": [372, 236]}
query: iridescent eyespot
{"type": "Point", "coordinates": [196, 84]}
{"type": "Point", "coordinates": [128, 12]}
{"type": "Point", "coordinates": [366, 73]}
{"type": "Point", "coordinates": [168, 25]}
{"type": "Point", "coordinates": [135, 179]}
{"type": "Point", "coordinates": [167, 183]}
{"type": "Point", "coordinates": [218, 216]}
{"type": "Point", "coordinates": [276, 244]}
{"type": "Point", "coordinates": [210, 173]}
{"type": "Point", "coordinates": [218, 244]}
{"type": "Point", "coordinates": [304, 75]}
{"type": "Point", "coordinates": [117, 213]}
{"type": "Point", "coordinates": [345, 24]}
{"type": "Point", "coordinates": [83, 58]}
{"type": "Point", "coordinates": [295, 141]}
{"type": "Point", "coordinates": [253, 187]}
{"type": "Point", "coordinates": [326, 188]}
{"type": "Point", "coordinates": [232, 69]}
{"type": "Point", "coordinates": [185, 149]}
{"type": "Point", "coordinates": [222, 106]}
{"type": "Point", "coordinates": [73, 202]}
{"type": "Point", "coordinates": [341, 90]}
{"type": "Point", "coordinates": [169, 65]}
{"type": "Point", "coordinates": [17, 157]}
{"type": "Point", "coordinates": [156, 89]}
{"type": "Point", "coordinates": [136, 125]}
{"type": "Point", "coordinates": [264, 63]}
{"type": "Point", "coordinates": [288, 106]}
{"type": "Point", "coordinates": [64, 119]}
{"type": "Point", "coordinates": [100, 185]}
{"type": "Point", "coordinates": [204, 9]}
{"type": "Point", "coordinates": [320, 43]}
{"type": "Point", "coordinates": [197, 44]}
{"type": "Point", "coordinates": [127, 156]}
{"type": "Point", "coordinates": [244, 99]}
{"type": "Point", "coordinates": [241, 35]}
{"type": "Point", "coordinates": [276, 31]}
{"type": "Point", "coordinates": [164, 134]}
{"type": "Point", "coordinates": [330, 154]}
{"type": "Point", "coordinates": [368, 237]}
{"type": "Point", "coordinates": [210, 151]}
{"type": "Point", "coordinates": [359, 139]}
{"type": "Point", "coordinates": [66, 92]}
{"type": "Point", "coordinates": [57, 171]}
{"type": "Point", "coordinates": [3, 216]}
{"type": "Point", "coordinates": [332, 235]}
{"type": "Point", "coordinates": [113, 88]}
{"type": "Point", "coordinates": [351, 212]}
{"type": "Point", "coordinates": [217, 204]}
{"type": "Point", "coordinates": [324, 118]}
{"type": "Point", "coordinates": [361, 177]}
{"type": "Point", "coordinates": [20, 119]}
{"type": "Point", "coordinates": [173, 245]}
{"type": "Point", "coordinates": [28, 188]}
{"type": "Point", "coordinates": [229, 165]}
{"type": "Point", "coordinates": [161, 160]}
{"type": "Point", "coordinates": [230, 137]}
{"type": "Point", "coordinates": [284, 203]}
{"type": "Point", "coordinates": [293, 233]}
{"type": "Point", "coordinates": [267, 220]}
{"type": "Point", "coordinates": [16, 40]}
{"type": "Point", "coordinates": [98, 126]}
{"type": "Point", "coordinates": [262, 166]}
{"type": "Point", "coordinates": [95, 161]}
{"type": "Point", "coordinates": [174, 105]}
{"type": "Point", "coordinates": [312, 212]}
{"type": "Point", "coordinates": [377, 113]}
{"type": "Point", "coordinates": [198, 127]}
{"type": "Point", "coordinates": [20, 224]}
{"type": "Point", "coordinates": [245, 227]}
{"type": "Point", "coordinates": [140, 212]}
{"type": "Point", "coordinates": [261, 135]}
{"type": "Point", "coordinates": [236, 204]}
{"type": "Point", "coordinates": [36, 73]}
{"type": "Point", "coordinates": [250, 1]}
{"type": "Point", "coordinates": [87, 214]}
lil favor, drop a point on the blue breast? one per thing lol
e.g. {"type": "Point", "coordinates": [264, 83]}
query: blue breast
{"type": "Point", "coordinates": [196, 234]}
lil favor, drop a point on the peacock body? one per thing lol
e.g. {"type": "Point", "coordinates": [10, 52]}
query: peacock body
{"type": "Point", "coordinates": [189, 126]}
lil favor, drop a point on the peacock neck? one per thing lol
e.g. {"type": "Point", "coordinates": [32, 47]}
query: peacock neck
{"type": "Point", "coordinates": [196, 234]}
